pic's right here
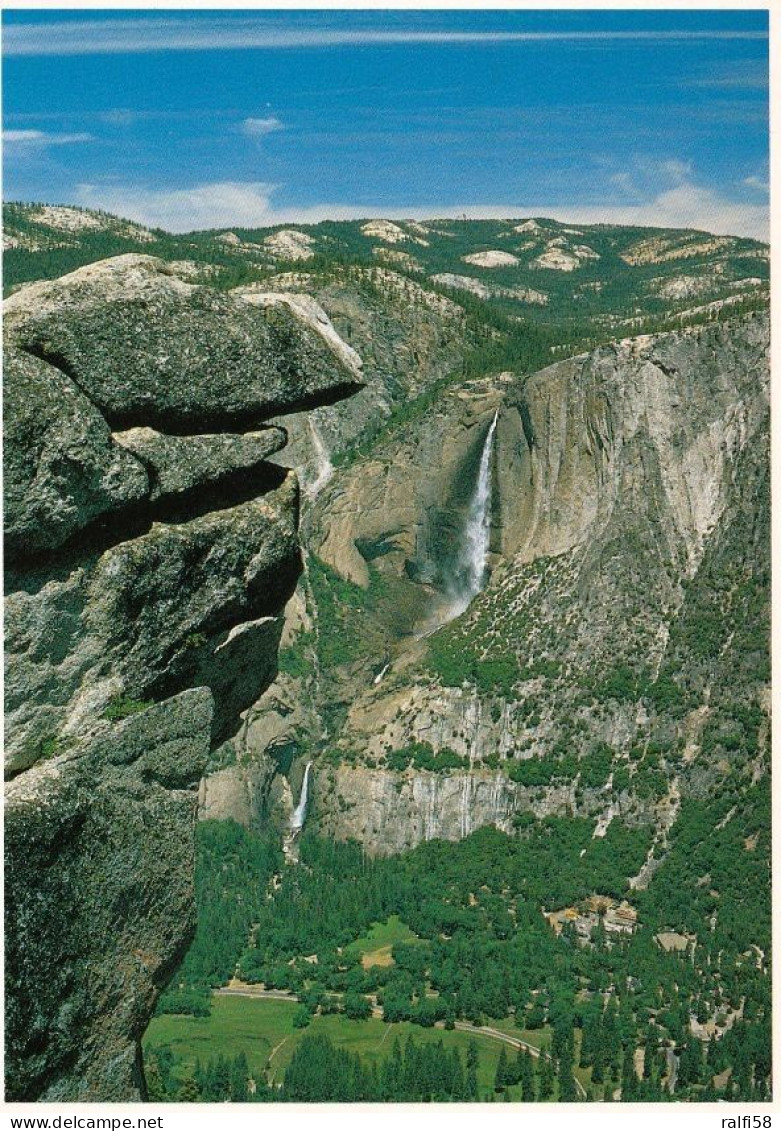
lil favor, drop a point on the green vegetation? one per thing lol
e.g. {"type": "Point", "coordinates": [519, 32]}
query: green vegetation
{"type": "Point", "coordinates": [422, 756]}
{"type": "Point", "coordinates": [382, 936]}
{"type": "Point", "coordinates": [595, 767]}
{"type": "Point", "coordinates": [455, 665]}
{"type": "Point", "coordinates": [295, 660]}
{"type": "Point", "coordinates": [352, 623]}
{"type": "Point", "coordinates": [234, 1025]}
{"type": "Point", "coordinates": [122, 707]}
{"type": "Point", "coordinates": [232, 872]}
{"type": "Point", "coordinates": [533, 772]}
{"type": "Point", "coordinates": [347, 935]}
{"type": "Point", "coordinates": [340, 604]}
{"type": "Point", "coordinates": [401, 414]}
{"type": "Point", "coordinates": [261, 1035]}
{"type": "Point", "coordinates": [48, 747]}
{"type": "Point", "coordinates": [734, 857]}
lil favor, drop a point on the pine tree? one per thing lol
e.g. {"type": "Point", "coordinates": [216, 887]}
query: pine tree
{"type": "Point", "coordinates": [239, 1085]}
{"type": "Point", "coordinates": [188, 1091]}
{"type": "Point", "coordinates": [611, 1036]}
{"type": "Point", "coordinates": [223, 1078]}
{"type": "Point", "coordinates": [472, 1059]}
{"type": "Point", "coordinates": [567, 1091]}
{"type": "Point", "coordinates": [598, 1062]}
{"type": "Point", "coordinates": [651, 1045]}
{"type": "Point", "coordinates": [500, 1079]}
{"type": "Point", "coordinates": [411, 1078]}
{"type": "Point", "coordinates": [547, 1078]}
{"type": "Point", "coordinates": [457, 1079]}
{"type": "Point", "coordinates": [154, 1082]}
{"type": "Point", "coordinates": [629, 1082]}
{"type": "Point", "coordinates": [526, 1078]}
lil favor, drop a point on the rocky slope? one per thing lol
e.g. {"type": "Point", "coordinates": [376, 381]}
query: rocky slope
{"type": "Point", "coordinates": [151, 550]}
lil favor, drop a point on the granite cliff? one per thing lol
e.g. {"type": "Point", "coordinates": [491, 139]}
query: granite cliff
{"type": "Point", "coordinates": [616, 479]}
{"type": "Point", "coordinates": [151, 548]}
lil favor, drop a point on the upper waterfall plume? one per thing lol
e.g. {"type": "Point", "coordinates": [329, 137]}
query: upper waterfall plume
{"type": "Point", "coordinates": [299, 813]}
{"type": "Point", "coordinates": [471, 563]}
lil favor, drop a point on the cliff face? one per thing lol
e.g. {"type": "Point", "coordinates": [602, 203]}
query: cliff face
{"type": "Point", "coordinates": [618, 474]}
{"type": "Point", "coordinates": [390, 812]}
{"type": "Point", "coordinates": [616, 478]}
{"type": "Point", "coordinates": [402, 509]}
{"type": "Point", "coordinates": [150, 552]}
{"type": "Point", "coordinates": [652, 425]}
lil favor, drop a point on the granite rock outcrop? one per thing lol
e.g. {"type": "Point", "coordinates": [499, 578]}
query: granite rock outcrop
{"type": "Point", "coordinates": [151, 551]}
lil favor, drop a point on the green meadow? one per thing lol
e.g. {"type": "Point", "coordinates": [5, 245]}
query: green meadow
{"type": "Point", "coordinates": [262, 1028]}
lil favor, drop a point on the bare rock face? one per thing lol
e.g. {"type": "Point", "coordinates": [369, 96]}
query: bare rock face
{"type": "Point", "coordinates": [99, 900]}
{"type": "Point", "coordinates": [400, 508]}
{"type": "Point", "coordinates": [616, 475]}
{"type": "Point", "coordinates": [150, 349]}
{"type": "Point", "coordinates": [62, 468]}
{"type": "Point", "coordinates": [390, 812]}
{"type": "Point", "coordinates": [655, 421]}
{"type": "Point", "coordinates": [176, 464]}
{"type": "Point", "coordinates": [148, 574]}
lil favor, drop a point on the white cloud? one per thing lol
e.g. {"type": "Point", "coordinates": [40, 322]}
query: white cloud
{"type": "Point", "coordinates": [664, 194]}
{"type": "Point", "coordinates": [222, 204]}
{"type": "Point", "coordinates": [647, 177]}
{"type": "Point", "coordinates": [119, 117]}
{"type": "Point", "coordinates": [89, 37]}
{"type": "Point", "coordinates": [685, 206]}
{"type": "Point", "coordinates": [259, 127]}
{"type": "Point", "coordinates": [751, 74]}
{"type": "Point", "coordinates": [624, 182]}
{"type": "Point", "coordinates": [678, 171]}
{"type": "Point", "coordinates": [249, 204]}
{"type": "Point", "coordinates": [757, 183]}
{"type": "Point", "coordinates": [39, 138]}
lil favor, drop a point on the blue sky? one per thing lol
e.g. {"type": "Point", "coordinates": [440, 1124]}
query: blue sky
{"type": "Point", "coordinates": [194, 119]}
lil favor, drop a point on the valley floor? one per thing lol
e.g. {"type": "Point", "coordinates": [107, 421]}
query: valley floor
{"type": "Point", "coordinates": [261, 1026]}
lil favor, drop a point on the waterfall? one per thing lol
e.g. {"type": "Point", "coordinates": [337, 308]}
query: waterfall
{"type": "Point", "coordinates": [471, 565]}
{"type": "Point", "coordinates": [325, 468]}
{"type": "Point", "coordinates": [299, 813]}
{"type": "Point", "coordinates": [465, 807]}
